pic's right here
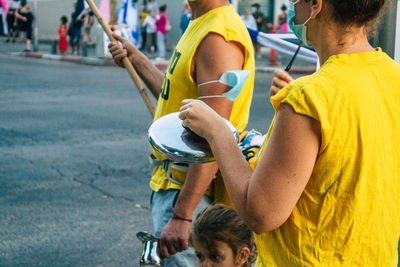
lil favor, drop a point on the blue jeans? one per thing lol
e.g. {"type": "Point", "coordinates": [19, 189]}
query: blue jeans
{"type": "Point", "coordinates": [162, 204]}
{"type": "Point", "coordinates": [160, 45]}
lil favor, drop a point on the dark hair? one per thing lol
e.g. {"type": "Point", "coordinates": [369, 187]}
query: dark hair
{"type": "Point", "coordinates": [283, 7]}
{"type": "Point", "coordinates": [356, 12]}
{"type": "Point", "coordinates": [64, 20]}
{"type": "Point", "coordinates": [220, 223]}
{"type": "Point", "coordinates": [257, 5]}
{"type": "Point", "coordinates": [23, 2]}
{"type": "Point", "coordinates": [163, 8]}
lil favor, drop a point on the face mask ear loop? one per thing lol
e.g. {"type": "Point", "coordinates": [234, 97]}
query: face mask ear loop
{"type": "Point", "coordinates": [215, 81]}
{"type": "Point", "coordinates": [305, 22]}
{"type": "Point", "coordinates": [209, 96]}
{"type": "Point", "coordinates": [305, 41]}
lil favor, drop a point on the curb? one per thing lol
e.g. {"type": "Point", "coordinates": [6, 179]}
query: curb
{"type": "Point", "coordinates": [161, 65]}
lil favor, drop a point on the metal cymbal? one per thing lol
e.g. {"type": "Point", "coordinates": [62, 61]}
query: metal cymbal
{"type": "Point", "coordinates": [169, 138]}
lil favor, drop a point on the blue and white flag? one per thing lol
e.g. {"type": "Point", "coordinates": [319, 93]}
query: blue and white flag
{"type": "Point", "coordinates": [285, 43]}
{"type": "Point", "coordinates": [128, 15]}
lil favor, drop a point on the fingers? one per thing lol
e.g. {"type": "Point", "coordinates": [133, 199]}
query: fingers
{"type": "Point", "coordinates": [280, 80]}
{"type": "Point", "coordinates": [273, 91]}
{"type": "Point", "coordinates": [167, 249]}
{"type": "Point", "coordinates": [283, 75]}
{"type": "Point", "coordinates": [279, 83]}
{"type": "Point", "coordinates": [185, 108]}
{"type": "Point", "coordinates": [119, 54]}
{"type": "Point", "coordinates": [112, 46]}
{"type": "Point", "coordinates": [184, 245]}
{"type": "Point", "coordinates": [119, 37]}
{"type": "Point", "coordinates": [187, 101]}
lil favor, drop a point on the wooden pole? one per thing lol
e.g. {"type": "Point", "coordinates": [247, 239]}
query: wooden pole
{"type": "Point", "coordinates": [113, 14]}
{"type": "Point", "coordinates": [125, 61]}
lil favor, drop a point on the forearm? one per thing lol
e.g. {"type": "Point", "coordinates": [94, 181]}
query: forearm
{"type": "Point", "coordinates": [198, 179]}
{"type": "Point", "coordinates": [151, 76]}
{"type": "Point", "coordinates": [235, 171]}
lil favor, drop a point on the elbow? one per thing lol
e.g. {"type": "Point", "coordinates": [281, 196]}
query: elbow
{"type": "Point", "coordinates": [266, 221]}
{"type": "Point", "coordinates": [264, 227]}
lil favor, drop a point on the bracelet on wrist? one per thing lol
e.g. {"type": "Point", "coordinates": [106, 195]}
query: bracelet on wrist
{"type": "Point", "coordinates": [176, 217]}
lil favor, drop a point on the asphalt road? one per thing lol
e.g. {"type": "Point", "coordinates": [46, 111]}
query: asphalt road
{"type": "Point", "coordinates": [74, 170]}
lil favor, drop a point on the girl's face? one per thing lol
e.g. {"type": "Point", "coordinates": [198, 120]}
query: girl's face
{"type": "Point", "coordinates": [221, 255]}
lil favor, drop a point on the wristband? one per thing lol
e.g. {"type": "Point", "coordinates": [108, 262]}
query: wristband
{"type": "Point", "coordinates": [176, 217]}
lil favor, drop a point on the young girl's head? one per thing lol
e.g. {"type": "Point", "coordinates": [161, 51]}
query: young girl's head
{"type": "Point", "coordinates": [221, 238]}
{"type": "Point", "coordinates": [64, 20]}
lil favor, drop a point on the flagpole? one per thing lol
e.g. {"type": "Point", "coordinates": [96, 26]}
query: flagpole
{"type": "Point", "coordinates": [125, 61]}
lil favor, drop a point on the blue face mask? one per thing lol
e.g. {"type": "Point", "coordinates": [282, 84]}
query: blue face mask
{"type": "Point", "coordinates": [232, 78]}
{"type": "Point", "coordinates": [300, 30]}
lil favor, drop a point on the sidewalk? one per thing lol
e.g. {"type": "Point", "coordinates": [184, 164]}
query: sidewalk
{"type": "Point", "coordinates": [262, 63]}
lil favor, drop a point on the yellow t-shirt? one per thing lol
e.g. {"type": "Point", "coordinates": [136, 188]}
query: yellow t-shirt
{"type": "Point", "coordinates": [178, 83]}
{"type": "Point", "coordinates": [349, 212]}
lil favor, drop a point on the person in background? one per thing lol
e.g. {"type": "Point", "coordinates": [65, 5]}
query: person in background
{"type": "Point", "coordinates": [259, 17]}
{"type": "Point", "coordinates": [221, 238]}
{"type": "Point", "coordinates": [152, 5]}
{"type": "Point", "coordinates": [282, 20]}
{"type": "Point", "coordinates": [249, 20]}
{"type": "Point", "coordinates": [185, 17]}
{"type": "Point", "coordinates": [25, 18]}
{"type": "Point", "coordinates": [161, 29]}
{"type": "Point", "coordinates": [19, 23]}
{"type": "Point", "coordinates": [2, 20]}
{"type": "Point", "coordinates": [75, 30]}
{"type": "Point", "coordinates": [10, 19]}
{"type": "Point", "coordinates": [62, 33]}
{"type": "Point", "coordinates": [87, 26]}
{"type": "Point", "coordinates": [269, 27]}
{"type": "Point", "coordinates": [143, 14]}
{"type": "Point", "coordinates": [150, 24]}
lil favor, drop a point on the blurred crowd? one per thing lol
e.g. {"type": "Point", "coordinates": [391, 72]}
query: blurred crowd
{"type": "Point", "coordinates": [154, 26]}
{"type": "Point", "coordinates": [19, 19]}
{"type": "Point", "coordinates": [74, 31]}
{"type": "Point", "coordinates": [254, 19]}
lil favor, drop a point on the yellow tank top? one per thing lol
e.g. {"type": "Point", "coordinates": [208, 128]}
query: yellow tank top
{"type": "Point", "coordinates": [349, 212]}
{"type": "Point", "coordinates": [178, 83]}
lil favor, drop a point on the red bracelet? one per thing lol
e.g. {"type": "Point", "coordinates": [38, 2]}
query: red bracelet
{"type": "Point", "coordinates": [176, 217]}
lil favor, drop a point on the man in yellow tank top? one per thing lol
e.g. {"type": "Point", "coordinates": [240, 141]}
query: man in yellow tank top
{"type": "Point", "coordinates": [215, 41]}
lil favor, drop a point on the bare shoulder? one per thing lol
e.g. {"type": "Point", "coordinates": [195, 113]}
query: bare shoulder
{"type": "Point", "coordinates": [214, 46]}
{"type": "Point", "coordinates": [217, 55]}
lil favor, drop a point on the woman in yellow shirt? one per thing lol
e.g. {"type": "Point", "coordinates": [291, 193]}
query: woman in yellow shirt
{"type": "Point", "coordinates": [325, 190]}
